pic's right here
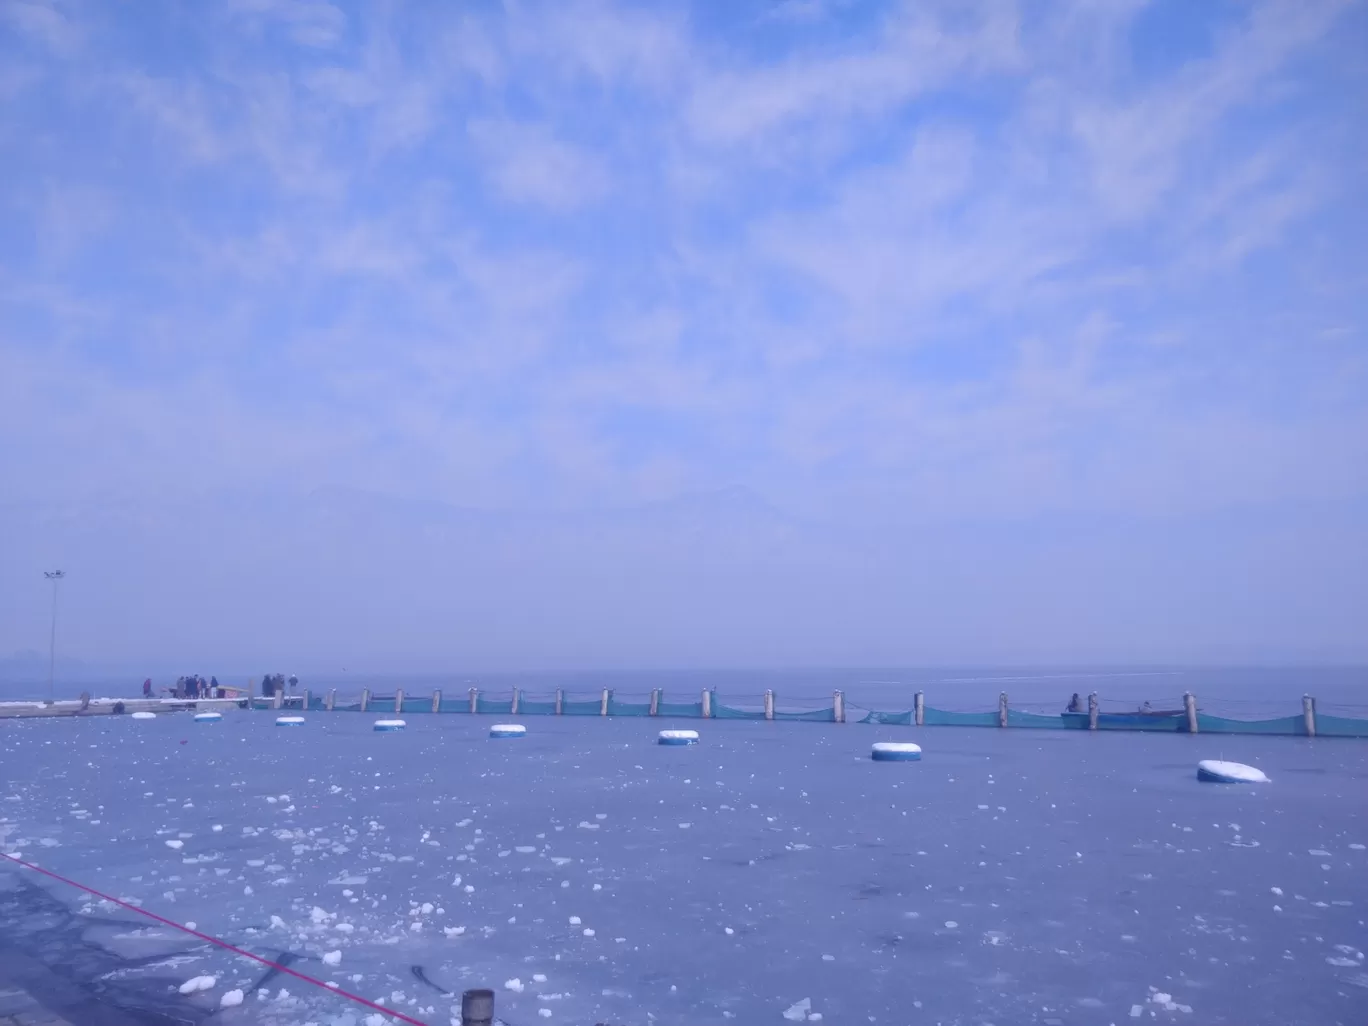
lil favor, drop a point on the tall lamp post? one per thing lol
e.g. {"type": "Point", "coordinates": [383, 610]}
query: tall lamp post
{"type": "Point", "coordinates": [55, 576]}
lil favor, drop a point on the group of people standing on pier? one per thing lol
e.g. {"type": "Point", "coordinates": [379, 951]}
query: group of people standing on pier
{"type": "Point", "coordinates": [274, 684]}
{"type": "Point", "coordinates": [193, 686]}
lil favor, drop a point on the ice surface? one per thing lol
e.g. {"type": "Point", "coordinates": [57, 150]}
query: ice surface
{"type": "Point", "coordinates": [1100, 871]}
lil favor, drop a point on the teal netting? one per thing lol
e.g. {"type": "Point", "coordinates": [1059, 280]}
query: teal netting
{"type": "Point", "coordinates": [724, 712]}
{"type": "Point", "coordinates": [1021, 718]}
{"type": "Point", "coordinates": [581, 707]}
{"type": "Point", "coordinates": [1209, 724]}
{"type": "Point", "coordinates": [536, 707]}
{"type": "Point", "coordinates": [1340, 726]}
{"type": "Point", "coordinates": [1328, 724]}
{"type": "Point", "coordinates": [944, 718]}
{"type": "Point", "coordinates": [827, 715]}
{"type": "Point", "coordinates": [617, 707]}
{"type": "Point", "coordinates": [496, 706]}
{"type": "Point", "coordinates": [892, 719]}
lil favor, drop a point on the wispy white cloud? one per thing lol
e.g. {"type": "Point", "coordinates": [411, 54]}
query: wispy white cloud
{"type": "Point", "coordinates": [916, 263]}
{"type": "Point", "coordinates": [527, 164]}
{"type": "Point", "coordinates": [315, 23]}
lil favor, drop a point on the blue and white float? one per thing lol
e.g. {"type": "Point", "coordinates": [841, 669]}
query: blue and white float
{"type": "Point", "coordinates": [1218, 771]}
{"type": "Point", "coordinates": [386, 726]}
{"type": "Point", "coordinates": [144, 716]}
{"type": "Point", "coordinates": [208, 717]}
{"type": "Point", "coordinates": [895, 751]}
{"type": "Point", "coordinates": [677, 737]}
{"type": "Point", "coordinates": [508, 730]}
{"type": "Point", "coordinates": [289, 721]}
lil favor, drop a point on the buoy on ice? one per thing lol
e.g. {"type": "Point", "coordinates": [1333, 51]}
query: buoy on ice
{"type": "Point", "coordinates": [895, 751]}
{"type": "Point", "coordinates": [1218, 771]}
{"type": "Point", "coordinates": [384, 726]}
{"type": "Point", "coordinates": [144, 716]}
{"type": "Point", "coordinates": [208, 717]}
{"type": "Point", "coordinates": [677, 737]}
{"type": "Point", "coordinates": [508, 730]}
{"type": "Point", "coordinates": [289, 721]}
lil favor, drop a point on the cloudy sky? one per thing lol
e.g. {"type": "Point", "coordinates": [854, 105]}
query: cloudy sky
{"type": "Point", "coordinates": [760, 333]}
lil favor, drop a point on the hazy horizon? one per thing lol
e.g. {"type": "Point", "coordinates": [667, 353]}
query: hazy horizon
{"type": "Point", "coordinates": [581, 336]}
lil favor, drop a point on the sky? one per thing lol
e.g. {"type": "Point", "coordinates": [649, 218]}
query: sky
{"type": "Point", "coordinates": [576, 334]}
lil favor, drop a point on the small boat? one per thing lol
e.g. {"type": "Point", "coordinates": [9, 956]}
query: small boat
{"type": "Point", "coordinates": [1158, 719]}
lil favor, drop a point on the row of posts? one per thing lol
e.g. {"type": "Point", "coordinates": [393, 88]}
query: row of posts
{"type": "Point", "coordinates": [837, 705]}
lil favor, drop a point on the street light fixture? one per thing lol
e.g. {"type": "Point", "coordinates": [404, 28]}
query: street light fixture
{"type": "Point", "coordinates": [55, 576]}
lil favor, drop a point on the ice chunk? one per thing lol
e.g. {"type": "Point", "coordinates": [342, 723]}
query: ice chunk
{"type": "Point", "coordinates": [231, 1000]}
{"type": "Point", "coordinates": [197, 984]}
{"type": "Point", "coordinates": [332, 958]}
{"type": "Point", "coordinates": [798, 1011]}
{"type": "Point", "coordinates": [175, 844]}
{"type": "Point", "coordinates": [515, 985]}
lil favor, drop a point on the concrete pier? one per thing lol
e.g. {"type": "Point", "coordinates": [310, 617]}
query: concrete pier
{"type": "Point", "coordinates": [115, 706]}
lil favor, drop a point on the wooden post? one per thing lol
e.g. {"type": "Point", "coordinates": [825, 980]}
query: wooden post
{"type": "Point", "coordinates": [1002, 709]}
{"type": "Point", "coordinates": [1309, 715]}
{"type": "Point", "coordinates": [398, 700]}
{"type": "Point", "coordinates": [330, 703]}
{"type": "Point", "coordinates": [838, 706]}
{"type": "Point", "coordinates": [560, 701]}
{"type": "Point", "coordinates": [1092, 711]}
{"type": "Point", "coordinates": [769, 705]}
{"type": "Point", "coordinates": [365, 699]}
{"type": "Point", "coordinates": [1190, 705]}
{"type": "Point", "coordinates": [603, 702]}
{"type": "Point", "coordinates": [437, 700]}
{"type": "Point", "coordinates": [279, 700]}
{"type": "Point", "coordinates": [919, 709]}
{"type": "Point", "coordinates": [251, 692]}
{"type": "Point", "coordinates": [305, 696]}
{"type": "Point", "coordinates": [707, 704]}
{"type": "Point", "coordinates": [474, 700]}
{"type": "Point", "coordinates": [655, 701]}
{"type": "Point", "coordinates": [513, 708]}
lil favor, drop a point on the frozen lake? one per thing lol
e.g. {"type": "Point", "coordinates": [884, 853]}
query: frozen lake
{"type": "Point", "coordinates": [589, 875]}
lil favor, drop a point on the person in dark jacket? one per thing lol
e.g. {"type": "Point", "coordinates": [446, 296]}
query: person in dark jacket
{"type": "Point", "coordinates": [1075, 703]}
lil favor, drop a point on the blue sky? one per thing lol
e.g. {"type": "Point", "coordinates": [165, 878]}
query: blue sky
{"type": "Point", "coordinates": [1078, 269]}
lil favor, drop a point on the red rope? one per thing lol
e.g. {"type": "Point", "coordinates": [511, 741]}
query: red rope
{"type": "Point", "coordinates": [214, 940]}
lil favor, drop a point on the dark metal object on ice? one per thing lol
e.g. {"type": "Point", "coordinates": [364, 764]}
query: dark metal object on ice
{"type": "Point", "coordinates": [477, 1008]}
{"type": "Point", "coordinates": [420, 974]}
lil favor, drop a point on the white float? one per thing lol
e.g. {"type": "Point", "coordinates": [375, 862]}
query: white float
{"type": "Point", "coordinates": [895, 751]}
{"type": "Point", "coordinates": [144, 716]}
{"type": "Point", "coordinates": [208, 717]}
{"type": "Point", "coordinates": [508, 730]}
{"type": "Point", "coordinates": [1218, 771]}
{"type": "Point", "coordinates": [289, 721]}
{"type": "Point", "coordinates": [677, 737]}
{"type": "Point", "coordinates": [389, 725]}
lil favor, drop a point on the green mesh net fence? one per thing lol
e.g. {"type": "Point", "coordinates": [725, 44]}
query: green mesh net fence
{"type": "Point", "coordinates": [1228, 717]}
